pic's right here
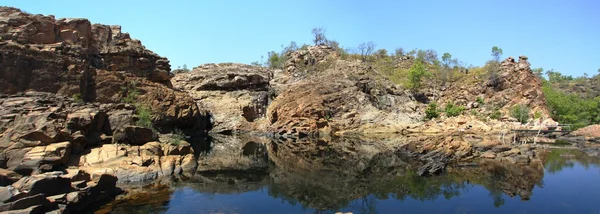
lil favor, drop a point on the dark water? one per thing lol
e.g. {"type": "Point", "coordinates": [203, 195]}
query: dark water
{"type": "Point", "coordinates": [567, 182]}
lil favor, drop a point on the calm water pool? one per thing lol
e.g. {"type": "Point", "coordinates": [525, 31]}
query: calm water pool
{"type": "Point", "coordinates": [563, 184]}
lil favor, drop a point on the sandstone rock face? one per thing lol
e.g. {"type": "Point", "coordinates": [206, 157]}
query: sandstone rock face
{"type": "Point", "coordinates": [39, 130]}
{"type": "Point", "coordinates": [44, 132]}
{"type": "Point", "coordinates": [55, 191]}
{"type": "Point", "coordinates": [311, 56]}
{"type": "Point", "coordinates": [137, 163]}
{"type": "Point", "coordinates": [516, 84]}
{"type": "Point", "coordinates": [337, 96]}
{"type": "Point", "coordinates": [236, 95]}
{"type": "Point", "coordinates": [73, 57]}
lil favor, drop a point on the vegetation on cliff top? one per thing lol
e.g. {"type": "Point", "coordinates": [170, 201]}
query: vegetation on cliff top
{"type": "Point", "coordinates": [570, 100]}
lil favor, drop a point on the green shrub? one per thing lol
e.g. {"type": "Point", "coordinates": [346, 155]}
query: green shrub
{"type": "Point", "coordinates": [77, 98]}
{"type": "Point", "coordinates": [177, 136]}
{"type": "Point", "coordinates": [473, 112]}
{"type": "Point", "coordinates": [131, 93]}
{"type": "Point", "coordinates": [496, 115]}
{"type": "Point", "coordinates": [571, 108]}
{"type": "Point", "coordinates": [537, 115]}
{"type": "Point", "coordinates": [144, 117]}
{"type": "Point", "coordinates": [416, 74]}
{"type": "Point", "coordinates": [431, 111]}
{"type": "Point", "coordinates": [520, 112]}
{"type": "Point", "coordinates": [453, 110]}
{"type": "Point", "coordinates": [479, 100]}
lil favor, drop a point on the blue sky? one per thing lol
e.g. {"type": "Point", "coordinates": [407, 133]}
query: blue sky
{"type": "Point", "coordinates": [563, 35]}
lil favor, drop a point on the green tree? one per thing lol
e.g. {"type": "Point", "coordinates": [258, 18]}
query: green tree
{"type": "Point", "coordinates": [415, 74]}
{"type": "Point", "coordinates": [381, 53]}
{"type": "Point", "coordinates": [496, 53]}
{"type": "Point", "coordinates": [520, 112]}
{"type": "Point", "coordinates": [400, 52]}
{"type": "Point", "coordinates": [274, 60]}
{"type": "Point", "coordinates": [538, 72]}
{"type": "Point", "coordinates": [446, 68]}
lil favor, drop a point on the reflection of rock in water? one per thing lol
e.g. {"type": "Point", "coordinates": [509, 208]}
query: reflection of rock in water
{"type": "Point", "coordinates": [150, 198]}
{"type": "Point", "coordinates": [228, 182]}
{"type": "Point", "coordinates": [228, 153]}
{"type": "Point", "coordinates": [331, 176]}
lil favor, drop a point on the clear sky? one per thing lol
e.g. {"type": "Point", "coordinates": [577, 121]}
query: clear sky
{"type": "Point", "coordinates": [559, 34]}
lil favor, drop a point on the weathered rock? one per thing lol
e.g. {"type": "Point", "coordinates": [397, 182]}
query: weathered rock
{"type": "Point", "coordinates": [137, 163]}
{"type": "Point", "coordinates": [72, 57]}
{"type": "Point", "coordinates": [50, 183]}
{"type": "Point", "coordinates": [235, 94]}
{"type": "Point", "coordinates": [332, 103]}
{"type": "Point", "coordinates": [27, 202]}
{"type": "Point", "coordinates": [134, 135]}
{"type": "Point", "coordinates": [8, 177]}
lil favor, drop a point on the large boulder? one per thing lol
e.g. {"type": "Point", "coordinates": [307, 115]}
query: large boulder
{"type": "Point", "coordinates": [134, 135]}
{"type": "Point", "coordinates": [235, 94]}
{"type": "Point", "coordinates": [50, 183]}
{"type": "Point", "coordinates": [132, 163]}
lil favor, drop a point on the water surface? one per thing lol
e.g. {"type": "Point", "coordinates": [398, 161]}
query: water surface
{"type": "Point", "coordinates": [567, 182]}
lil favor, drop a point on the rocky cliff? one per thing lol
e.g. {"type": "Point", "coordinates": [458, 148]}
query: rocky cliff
{"type": "Point", "coordinates": [236, 95]}
{"type": "Point", "coordinates": [319, 92]}
{"type": "Point", "coordinates": [73, 57]}
{"type": "Point", "coordinates": [514, 84]}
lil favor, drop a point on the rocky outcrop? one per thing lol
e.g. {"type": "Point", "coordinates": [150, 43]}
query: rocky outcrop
{"type": "Point", "coordinates": [72, 57]}
{"type": "Point", "coordinates": [341, 96]}
{"type": "Point", "coordinates": [57, 192]}
{"type": "Point", "coordinates": [41, 130]}
{"type": "Point", "coordinates": [513, 84]}
{"type": "Point", "coordinates": [236, 95]}
{"type": "Point", "coordinates": [44, 132]}
{"type": "Point", "coordinates": [144, 163]}
{"type": "Point", "coordinates": [313, 55]}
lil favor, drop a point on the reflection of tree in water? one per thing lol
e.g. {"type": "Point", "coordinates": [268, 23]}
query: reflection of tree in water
{"type": "Point", "coordinates": [559, 159]}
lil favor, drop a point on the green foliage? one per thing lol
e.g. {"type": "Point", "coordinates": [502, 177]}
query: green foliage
{"type": "Point", "coordinates": [432, 111]}
{"type": "Point", "coordinates": [131, 93]}
{"type": "Point", "coordinates": [537, 115]}
{"type": "Point", "coordinates": [570, 108]}
{"type": "Point", "coordinates": [453, 110]}
{"type": "Point", "coordinates": [496, 115]}
{"type": "Point", "coordinates": [520, 112]}
{"type": "Point", "coordinates": [400, 52]}
{"type": "Point", "coordinates": [480, 100]}
{"type": "Point", "coordinates": [416, 74]}
{"type": "Point", "coordinates": [496, 53]}
{"type": "Point", "coordinates": [144, 117]}
{"type": "Point", "coordinates": [77, 98]}
{"type": "Point", "coordinates": [177, 136]}
{"type": "Point", "coordinates": [277, 60]}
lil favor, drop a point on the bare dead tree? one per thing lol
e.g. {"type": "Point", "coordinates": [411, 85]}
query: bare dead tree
{"type": "Point", "coordinates": [319, 36]}
{"type": "Point", "coordinates": [366, 49]}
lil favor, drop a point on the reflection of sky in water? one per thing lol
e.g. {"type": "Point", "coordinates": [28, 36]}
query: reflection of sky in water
{"type": "Point", "coordinates": [573, 189]}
